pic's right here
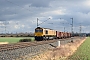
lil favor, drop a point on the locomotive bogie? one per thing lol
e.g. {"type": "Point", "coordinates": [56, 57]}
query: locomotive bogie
{"type": "Point", "coordinates": [39, 38]}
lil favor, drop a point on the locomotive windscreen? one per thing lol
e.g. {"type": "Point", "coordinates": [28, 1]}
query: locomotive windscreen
{"type": "Point", "coordinates": [38, 29]}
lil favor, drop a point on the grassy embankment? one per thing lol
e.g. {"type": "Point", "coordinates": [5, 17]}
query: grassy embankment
{"type": "Point", "coordinates": [83, 52]}
{"type": "Point", "coordinates": [14, 39]}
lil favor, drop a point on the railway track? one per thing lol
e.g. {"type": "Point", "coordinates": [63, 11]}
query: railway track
{"type": "Point", "coordinates": [5, 47]}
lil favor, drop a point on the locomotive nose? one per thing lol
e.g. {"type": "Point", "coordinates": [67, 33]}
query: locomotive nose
{"type": "Point", "coordinates": [39, 34]}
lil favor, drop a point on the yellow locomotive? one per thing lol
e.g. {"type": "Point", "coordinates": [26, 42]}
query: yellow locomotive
{"type": "Point", "coordinates": [44, 34]}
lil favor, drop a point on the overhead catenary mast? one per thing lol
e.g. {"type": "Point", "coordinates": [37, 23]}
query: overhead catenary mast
{"type": "Point", "coordinates": [37, 22]}
{"type": "Point", "coordinates": [72, 26]}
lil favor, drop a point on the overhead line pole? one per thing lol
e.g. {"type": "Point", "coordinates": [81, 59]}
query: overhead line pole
{"type": "Point", "coordinates": [72, 26]}
{"type": "Point", "coordinates": [37, 22]}
{"type": "Point", "coordinates": [42, 22]}
{"type": "Point", "coordinates": [80, 30]}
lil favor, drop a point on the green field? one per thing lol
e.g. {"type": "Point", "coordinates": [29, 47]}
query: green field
{"type": "Point", "coordinates": [14, 39]}
{"type": "Point", "coordinates": [83, 52]}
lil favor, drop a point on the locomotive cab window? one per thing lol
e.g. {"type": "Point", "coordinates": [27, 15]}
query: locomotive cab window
{"type": "Point", "coordinates": [46, 32]}
{"type": "Point", "coordinates": [41, 30]}
{"type": "Point", "coordinates": [36, 30]}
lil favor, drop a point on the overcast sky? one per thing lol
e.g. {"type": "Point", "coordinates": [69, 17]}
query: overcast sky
{"type": "Point", "coordinates": [21, 15]}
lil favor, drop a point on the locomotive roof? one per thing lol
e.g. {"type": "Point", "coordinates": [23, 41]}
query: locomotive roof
{"type": "Point", "coordinates": [45, 28]}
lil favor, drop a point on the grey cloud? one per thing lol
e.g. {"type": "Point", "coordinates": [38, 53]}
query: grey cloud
{"type": "Point", "coordinates": [29, 10]}
{"type": "Point", "coordinates": [41, 3]}
{"type": "Point", "coordinates": [35, 3]}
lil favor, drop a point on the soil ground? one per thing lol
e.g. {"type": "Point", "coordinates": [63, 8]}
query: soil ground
{"type": "Point", "coordinates": [59, 53]}
{"type": "Point", "coordinates": [3, 43]}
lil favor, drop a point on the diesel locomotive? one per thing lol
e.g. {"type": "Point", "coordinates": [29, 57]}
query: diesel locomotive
{"type": "Point", "coordinates": [47, 34]}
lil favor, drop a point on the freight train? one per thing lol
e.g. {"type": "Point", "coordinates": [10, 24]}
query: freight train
{"type": "Point", "coordinates": [47, 34]}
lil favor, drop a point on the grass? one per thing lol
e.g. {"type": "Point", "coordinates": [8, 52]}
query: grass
{"type": "Point", "coordinates": [14, 39]}
{"type": "Point", "coordinates": [83, 52]}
